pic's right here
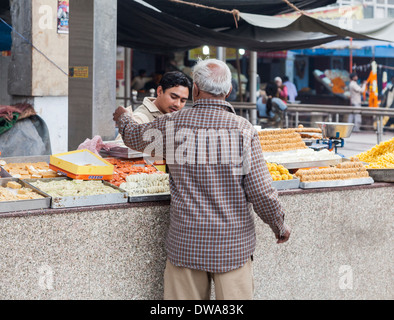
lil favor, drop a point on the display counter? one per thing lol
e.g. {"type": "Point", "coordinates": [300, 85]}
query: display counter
{"type": "Point", "coordinates": [340, 248]}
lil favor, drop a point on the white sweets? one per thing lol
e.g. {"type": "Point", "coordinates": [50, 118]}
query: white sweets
{"type": "Point", "coordinates": [71, 188]}
{"type": "Point", "coordinates": [302, 155]}
{"type": "Point", "coordinates": [143, 183]}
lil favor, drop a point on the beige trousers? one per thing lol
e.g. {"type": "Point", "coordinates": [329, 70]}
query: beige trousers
{"type": "Point", "coordinates": [189, 284]}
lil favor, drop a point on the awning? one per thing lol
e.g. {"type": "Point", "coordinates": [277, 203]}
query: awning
{"type": "Point", "coordinates": [377, 29]}
{"type": "Point", "coordinates": [143, 25]}
{"type": "Point", "coordinates": [147, 29]}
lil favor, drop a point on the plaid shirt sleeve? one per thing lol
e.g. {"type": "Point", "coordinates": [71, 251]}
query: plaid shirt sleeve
{"type": "Point", "coordinates": [261, 193]}
{"type": "Point", "coordinates": [135, 135]}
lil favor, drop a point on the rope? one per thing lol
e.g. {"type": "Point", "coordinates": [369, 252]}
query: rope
{"type": "Point", "coordinates": [234, 12]}
{"type": "Point", "coordinates": [293, 6]}
{"type": "Point", "coordinates": [39, 51]}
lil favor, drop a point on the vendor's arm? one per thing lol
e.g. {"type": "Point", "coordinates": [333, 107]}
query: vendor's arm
{"type": "Point", "coordinates": [263, 196]}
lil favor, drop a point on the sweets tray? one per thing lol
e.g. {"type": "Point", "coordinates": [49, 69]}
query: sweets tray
{"type": "Point", "coordinates": [312, 164]}
{"type": "Point", "coordinates": [21, 205]}
{"type": "Point", "coordinates": [150, 197]}
{"type": "Point", "coordinates": [335, 183]}
{"type": "Point", "coordinates": [81, 201]}
{"type": "Point", "coordinates": [382, 175]}
{"type": "Point", "coordinates": [286, 184]}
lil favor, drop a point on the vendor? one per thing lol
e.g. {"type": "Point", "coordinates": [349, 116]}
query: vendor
{"type": "Point", "coordinates": [172, 94]}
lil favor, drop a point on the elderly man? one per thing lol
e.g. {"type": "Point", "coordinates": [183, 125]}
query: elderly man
{"type": "Point", "coordinates": [217, 171]}
{"type": "Point", "coordinates": [172, 94]}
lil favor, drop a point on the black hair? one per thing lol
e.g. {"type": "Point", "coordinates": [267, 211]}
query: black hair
{"type": "Point", "coordinates": [285, 78]}
{"type": "Point", "coordinates": [271, 90]}
{"type": "Point", "coordinates": [174, 79]}
{"type": "Point", "coordinates": [352, 75]}
{"type": "Point", "coordinates": [141, 72]}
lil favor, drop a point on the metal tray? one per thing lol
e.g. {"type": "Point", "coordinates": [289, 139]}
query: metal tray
{"type": "Point", "coordinates": [382, 175]}
{"type": "Point", "coordinates": [81, 201]}
{"type": "Point", "coordinates": [335, 183]}
{"type": "Point", "coordinates": [150, 197]}
{"type": "Point", "coordinates": [4, 173]}
{"type": "Point", "coordinates": [286, 184]}
{"type": "Point", "coordinates": [311, 164]}
{"type": "Point", "coordinates": [21, 205]}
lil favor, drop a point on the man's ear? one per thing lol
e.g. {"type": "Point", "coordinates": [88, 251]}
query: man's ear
{"type": "Point", "coordinates": [196, 91]}
{"type": "Point", "coordinates": [231, 89]}
{"type": "Point", "coordinates": [159, 90]}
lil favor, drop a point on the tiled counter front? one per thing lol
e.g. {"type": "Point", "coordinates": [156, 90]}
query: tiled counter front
{"type": "Point", "coordinates": [340, 248]}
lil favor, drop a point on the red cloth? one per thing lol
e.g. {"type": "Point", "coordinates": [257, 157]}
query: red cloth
{"type": "Point", "coordinates": [6, 112]}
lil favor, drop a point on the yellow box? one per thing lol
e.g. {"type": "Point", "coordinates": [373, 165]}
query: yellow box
{"type": "Point", "coordinates": [161, 167]}
{"type": "Point", "coordinates": [82, 162]}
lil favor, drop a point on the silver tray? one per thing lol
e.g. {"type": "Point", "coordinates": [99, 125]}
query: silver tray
{"type": "Point", "coordinates": [286, 184]}
{"type": "Point", "coordinates": [335, 183]}
{"type": "Point", "coordinates": [310, 164]}
{"type": "Point", "coordinates": [150, 197]}
{"type": "Point", "coordinates": [81, 201]}
{"type": "Point", "coordinates": [382, 175]}
{"type": "Point", "coordinates": [4, 173]}
{"type": "Point", "coordinates": [21, 205]}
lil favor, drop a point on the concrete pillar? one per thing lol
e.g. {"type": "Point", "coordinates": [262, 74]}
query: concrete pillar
{"type": "Point", "coordinates": [92, 66]}
{"type": "Point", "coordinates": [39, 75]}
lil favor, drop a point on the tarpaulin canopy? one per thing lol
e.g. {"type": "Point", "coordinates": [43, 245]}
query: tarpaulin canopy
{"type": "Point", "coordinates": [149, 29]}
{"type": "Point", "coordinates": [165, 26]}
{"type": "Point", "coordinates": [378, 29]}
{"type": "Point", "coordinates": [215, 19]}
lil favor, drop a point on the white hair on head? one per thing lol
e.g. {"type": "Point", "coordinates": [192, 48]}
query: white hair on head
{"type": "Point", "coordinates": [212, 76]}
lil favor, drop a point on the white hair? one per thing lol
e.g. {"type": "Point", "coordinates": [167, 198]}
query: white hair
{"type": "Point", "coordinates": [212, 76]}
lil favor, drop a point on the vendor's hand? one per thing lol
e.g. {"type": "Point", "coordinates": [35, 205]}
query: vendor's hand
{"type": "Point", "coordinates": [283, 238]}
{"type": "Point", "coordinates": [118, 112]}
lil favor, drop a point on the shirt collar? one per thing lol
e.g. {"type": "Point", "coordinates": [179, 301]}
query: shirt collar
{"type": "Point", "coordinates": [149, 103]}
{"type": "Point", "coordinates": [214, 103]}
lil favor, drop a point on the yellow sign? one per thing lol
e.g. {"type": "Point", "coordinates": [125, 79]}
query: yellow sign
{"type": "Point", "coordinates": [196, 53]}
{"type": "Point", "coordinates": [78, 72]}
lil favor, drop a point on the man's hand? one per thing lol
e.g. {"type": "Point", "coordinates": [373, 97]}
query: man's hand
{"type": "Point", "coordinates": [118, 112]}
{"type": "Point", "coordinates": [283, 238]}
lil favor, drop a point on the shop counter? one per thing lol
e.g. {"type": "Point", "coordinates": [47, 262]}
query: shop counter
{"type": "Point", "coordinates": [340, 248]}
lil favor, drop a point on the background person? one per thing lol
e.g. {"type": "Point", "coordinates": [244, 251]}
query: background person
{"type": "Point", "coordinates": [355, 100]}
{"type": "Point", "coordinates": [139, 81]}
{"type": "Point", "coordinates": [211, 233]}
{"type": "Point", "coordinates": [282, 89]}
{"type": "Point", "coordinates": [270, 106]}
{"type": "Point", "coordinates": [291, 89]}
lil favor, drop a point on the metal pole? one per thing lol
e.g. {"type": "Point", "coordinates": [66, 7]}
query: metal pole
{"type": "Point", "coordinates": [380, 129]}
{"type": "Point", "coordinates": [253, 85]}
{"type": "Point", "coordinates": [221, 53]}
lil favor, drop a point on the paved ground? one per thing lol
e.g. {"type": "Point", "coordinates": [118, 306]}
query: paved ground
{"type": "Point", "coordinates": [362, 141]}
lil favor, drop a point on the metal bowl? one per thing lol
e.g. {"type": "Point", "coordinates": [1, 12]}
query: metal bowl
{"type": "Point", "coordinates": [335, 130]}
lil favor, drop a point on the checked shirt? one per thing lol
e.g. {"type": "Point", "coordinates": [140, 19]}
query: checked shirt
{"type": "Point", "coordinates": [218, 179]}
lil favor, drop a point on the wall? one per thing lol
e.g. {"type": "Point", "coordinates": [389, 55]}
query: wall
{"type": "Point", "coordinates": [54, 111]}
{"type": "Point", "coordinates": [5, 98]}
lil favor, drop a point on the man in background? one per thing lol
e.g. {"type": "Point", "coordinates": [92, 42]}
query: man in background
{"type": "Point", "coordinates": [291, 89]}
{"type": "Point", "coordinates": [355, 100]}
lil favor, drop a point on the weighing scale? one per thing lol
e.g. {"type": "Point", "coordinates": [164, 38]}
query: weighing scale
{"type": "Point", "coordinates": [333, 135]}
